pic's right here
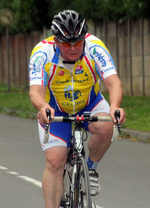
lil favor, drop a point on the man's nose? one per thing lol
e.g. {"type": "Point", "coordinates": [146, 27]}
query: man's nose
{"type": "Point", "coordinates": [72, 47]}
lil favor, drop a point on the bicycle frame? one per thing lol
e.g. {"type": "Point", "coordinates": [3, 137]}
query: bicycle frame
{"type": "Point", "coordinates": [75, 159]}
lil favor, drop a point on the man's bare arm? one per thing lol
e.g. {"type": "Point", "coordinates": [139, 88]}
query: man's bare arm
{"type": "Point", "coordinates": [114, 87]}
{"type": "Point", "coordinates": [37, 97]}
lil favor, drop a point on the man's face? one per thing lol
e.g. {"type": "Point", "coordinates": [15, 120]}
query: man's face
{"type": "Point", "coordinates": [70, 52]}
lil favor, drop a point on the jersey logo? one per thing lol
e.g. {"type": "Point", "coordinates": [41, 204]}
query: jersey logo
{"type": "Point", "coordinates": [39, 59]}
{"type": "Point", "coordinates": [94, 51]}
{"type": "Point", "coordinates": [79, 70]}
{"type": "Point", "coordinates": [86, 74]}
{"type": "Point", "coordinates": [61, 73]}
{"type": "Point", "coordinates": [98, 55]}
{"type": "Point", "coordinates": [76, 95]}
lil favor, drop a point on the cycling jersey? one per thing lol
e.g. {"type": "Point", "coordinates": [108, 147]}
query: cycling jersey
{"type": "Point", "coordinates": [70, 87]}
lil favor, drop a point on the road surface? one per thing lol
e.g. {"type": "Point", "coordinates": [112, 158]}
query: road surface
{"type": "Point", "coordinates": [124, 171]}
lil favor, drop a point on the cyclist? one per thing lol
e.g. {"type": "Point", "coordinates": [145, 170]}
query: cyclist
{"type": "Point", "coordinates": [65, 72]}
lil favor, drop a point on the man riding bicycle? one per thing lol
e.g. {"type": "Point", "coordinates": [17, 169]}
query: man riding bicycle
{"type": "Point", "coordinates": [65, 71]}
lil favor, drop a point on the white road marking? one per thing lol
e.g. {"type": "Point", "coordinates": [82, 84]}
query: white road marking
{"type": "Point", "coordinates": [25, 178]}
{"type": "Point", "coordinates": [3, 168]}
{"type": "Point", "coordinates": [30, 180]}
{"type": "Point", "coordinates": [12, 172]}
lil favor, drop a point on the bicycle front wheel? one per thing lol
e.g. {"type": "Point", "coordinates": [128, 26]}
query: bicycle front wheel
{"type": "Point", "coordinates": [83, 196]}
{"type": "Point", "coordinates": [67, 197]}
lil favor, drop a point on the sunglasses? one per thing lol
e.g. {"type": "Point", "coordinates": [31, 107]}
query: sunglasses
{"type": "Point", "coordinates": [68, 44]}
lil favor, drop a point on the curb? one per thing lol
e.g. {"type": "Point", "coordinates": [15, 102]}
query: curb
{"type": "Point", "coordinates": [137, 134]}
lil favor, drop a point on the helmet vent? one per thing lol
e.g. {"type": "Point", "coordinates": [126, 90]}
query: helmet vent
{"type": "Point", "coordinates": [69, 26]}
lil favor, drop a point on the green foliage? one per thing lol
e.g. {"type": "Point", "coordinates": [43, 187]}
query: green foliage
{"type": "Point", "coordinates": [35, 14]}
{"type": "Point", "coordinates": [59, 5]}
{"type": "Point", "coordinates": [137, 110]}
{"type": "Point", "coordinates": [30, 15]}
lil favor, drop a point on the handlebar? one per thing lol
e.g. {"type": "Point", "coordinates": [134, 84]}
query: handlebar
{"type": "Point", "coordinates": [83, 118]}
{"type": "Point", "coordinates": [79, 119]}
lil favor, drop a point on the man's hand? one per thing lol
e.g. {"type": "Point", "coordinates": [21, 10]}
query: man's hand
{"type": "Point", "coordinates": [42, 117]}
{"type": "Point", "coordinates": [122, 115]}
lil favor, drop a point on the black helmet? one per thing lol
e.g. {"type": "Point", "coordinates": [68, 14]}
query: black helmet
{"type": "Point", "coordinates": [69, 26]}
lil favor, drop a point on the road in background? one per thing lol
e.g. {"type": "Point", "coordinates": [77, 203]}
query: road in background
{"type": "Point", "coordinates": [124, 171]}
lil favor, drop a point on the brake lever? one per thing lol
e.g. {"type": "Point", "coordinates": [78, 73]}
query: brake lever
{"type": "Point", "coordinates": [47, 127]}
{"type": "Point", "coordinates": [117, 116]}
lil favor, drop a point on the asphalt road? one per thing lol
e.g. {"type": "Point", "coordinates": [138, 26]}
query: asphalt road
{"type": "Point", "coordinates": [124, 171]}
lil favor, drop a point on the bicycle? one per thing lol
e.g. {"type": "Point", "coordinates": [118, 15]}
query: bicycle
{"type": "Point", "coordinates": [76, 176]}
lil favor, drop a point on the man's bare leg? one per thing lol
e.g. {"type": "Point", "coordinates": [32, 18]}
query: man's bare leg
{"type": "Point", "coordinates": [100, 139]}
{"type": "Point", "coordinates": [52, 181]}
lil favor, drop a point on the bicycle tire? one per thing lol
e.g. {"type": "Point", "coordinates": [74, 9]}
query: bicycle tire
{"type": "Point", "coordinates": [74, 188]}
{"type": "Point", "coordinates": [67, 197]}
{"type": "Point", "coordinates": [83, 195]}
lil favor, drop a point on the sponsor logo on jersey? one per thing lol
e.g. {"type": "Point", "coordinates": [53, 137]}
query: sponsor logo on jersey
{"type": "Point", "coordinates": [61, 73]}
{"type": "Point", "coordinates": [86, 74]}
{"type": "Point", "coordinates": [72, 95]}
{"type": "Point", "coordinates": [81, 102]}
{"type": "Point", "coordinates": [39, 59]}
{"type": "Point", "coordinates": [79, 70]}
{"type": "Point", "coordinates": [99, 56]}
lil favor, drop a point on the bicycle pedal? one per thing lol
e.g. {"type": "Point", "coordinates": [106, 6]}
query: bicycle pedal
{"type": "Point", "coordinates": [62, 203]}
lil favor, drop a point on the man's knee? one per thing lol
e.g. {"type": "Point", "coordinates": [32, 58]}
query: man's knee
{"type": "Point", "coordinates": [103, 132]}
{"type": "Point", "coordinates": [55, 159]}
{"type": "Point", "coordinates": [107, 129]}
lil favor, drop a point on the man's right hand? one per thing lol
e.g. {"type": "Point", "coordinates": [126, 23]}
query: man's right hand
{"type": "Point", "coordinates": [42, 116]}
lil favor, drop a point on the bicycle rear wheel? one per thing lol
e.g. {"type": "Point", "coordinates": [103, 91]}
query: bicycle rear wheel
{"type": "Point", "coordinates": [83, 195]}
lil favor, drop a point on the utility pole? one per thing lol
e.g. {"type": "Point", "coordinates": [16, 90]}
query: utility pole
{"type": "Point", "coordinates": [7, 19]}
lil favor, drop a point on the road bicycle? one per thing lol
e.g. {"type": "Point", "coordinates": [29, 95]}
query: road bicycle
{"type": "Point", "coordinates": [76, 176]}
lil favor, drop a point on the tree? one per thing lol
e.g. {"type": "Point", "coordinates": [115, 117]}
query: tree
{"type": "Point", "coordinates": [29, 14]}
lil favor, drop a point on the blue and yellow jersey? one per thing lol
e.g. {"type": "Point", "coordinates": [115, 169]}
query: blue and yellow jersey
{"type": "Point", "coordinates": [70, 88]}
